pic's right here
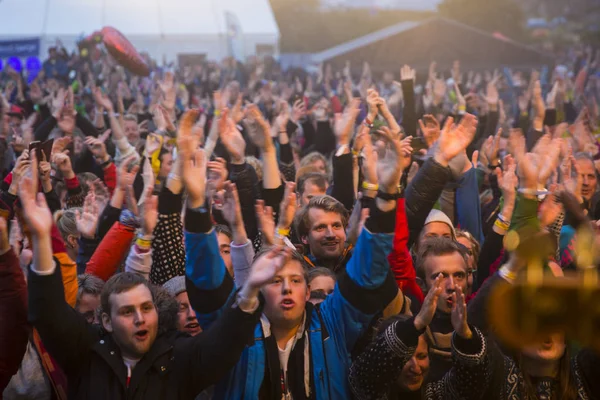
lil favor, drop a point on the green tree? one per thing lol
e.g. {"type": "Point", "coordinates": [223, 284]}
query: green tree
{"type": "Point", "coordinates": [504, 16]}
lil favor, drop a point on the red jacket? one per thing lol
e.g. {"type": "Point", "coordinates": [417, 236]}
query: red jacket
{"type": "Point", "coordinates": [14, 329]}
{"type": "Point", "coordinates": [400, 259]}
{"type": "Point", "coordinates": [111, 252]}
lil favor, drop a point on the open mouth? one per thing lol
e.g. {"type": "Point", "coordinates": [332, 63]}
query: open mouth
{"type": "Point", "coordinates": [330, 245]}
{"type": "Point", "coordinates": [449, 302]}
{"type": "Point", "coordinates": [141, 335]}
{"type": "Point", "coordinates": [547, 344]}
{"type": "Point", "coordinates": [287, 304]}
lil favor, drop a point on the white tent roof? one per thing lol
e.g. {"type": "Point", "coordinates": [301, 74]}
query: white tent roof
{"type": "Point", "coordinates": [142, 21]}
{"type": "Point", "coordinates": [132, 17]}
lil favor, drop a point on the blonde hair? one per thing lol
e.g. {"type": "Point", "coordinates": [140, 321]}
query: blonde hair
{"type": "Point", "coordinates": [66, 222]}
{"type": "Point", "coordinates": [310, 158]}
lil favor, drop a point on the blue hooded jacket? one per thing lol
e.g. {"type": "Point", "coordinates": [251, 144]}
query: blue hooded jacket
{"type": "Point", "coordinates": [333, 327]}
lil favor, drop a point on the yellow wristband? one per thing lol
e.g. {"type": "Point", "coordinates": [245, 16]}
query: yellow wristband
{"type": "Point", "coordinates": [370, 186]}
{"type": "Point", "coordinates": [143, 243]}
{"type": "Point", "coordinates": [462, 108]}
{"type": "Point", "coordinates": [283, 232]}
{"type": "Point", "coordinates": [502, 225]}
{"type": "Point", "coordinates": [507, 274]}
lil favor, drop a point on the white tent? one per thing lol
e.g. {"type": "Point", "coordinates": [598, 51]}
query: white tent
{"type": "Point", "coordinates": [163, 28]}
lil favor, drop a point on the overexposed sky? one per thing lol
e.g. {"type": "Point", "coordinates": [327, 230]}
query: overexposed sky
{"type": "Point", "coordinates": [397, 4]}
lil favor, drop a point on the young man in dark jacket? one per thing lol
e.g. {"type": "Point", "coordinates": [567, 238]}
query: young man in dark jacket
{"type": "Point", "coordinates": [129, 359]}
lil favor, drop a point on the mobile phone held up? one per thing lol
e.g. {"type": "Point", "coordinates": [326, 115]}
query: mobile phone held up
{"type": "Point", "coordinates": [43, 151]}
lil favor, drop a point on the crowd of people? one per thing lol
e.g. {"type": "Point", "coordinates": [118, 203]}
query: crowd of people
{"type": "Point", "coordinates": [235, 231]}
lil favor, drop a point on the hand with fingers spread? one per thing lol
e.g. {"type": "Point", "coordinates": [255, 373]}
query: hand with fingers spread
{"type": "Point", "coordinates": [454, 139]}
{"type": "Point", "coordinates": [266, 222]}
{"type": "Point", "coordinates": [407, 73]}
{"type": "Point", "coordinates": [458, 317]}
{"type": "Point", "coordinates": [516, 144]}
{"type": "Point", "coordinates": [167, 87]}
{"type": "Point", "coordinates": [35, 209]}
{"type": "Point", "coordinates": [58, 103]}
{"type": "Point", "coordinates": [430, 129]}
{"type": "Point", "coordinates": [264, 270]}
{"type": "Point", "coordinates": [287, 208]}
{"type": "Point", "coordinates": [425, 315]}
{"type": "Point", "coordinates": [344, 124]}
{"type": "Point", "coordinates": [87, 219]}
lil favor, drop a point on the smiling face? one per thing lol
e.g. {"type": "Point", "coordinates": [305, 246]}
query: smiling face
{"type": "Point", "coordinates": [133, 321]}
{"type": "Point", "coordinates": [415, 370]}
{"type": "Point", "coordinates": [286, 296]}
{"type": "Point", "coordinates": [326, 234]}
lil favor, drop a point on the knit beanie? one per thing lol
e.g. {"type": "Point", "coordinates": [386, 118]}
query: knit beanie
{"type": "Point", "coordinates": [439, 216]}
{"type": "Point", "coordinates": [175, 285]}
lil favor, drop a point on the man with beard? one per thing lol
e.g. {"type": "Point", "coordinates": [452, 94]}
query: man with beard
{"type": "Point", "coordinates": [321, 226]}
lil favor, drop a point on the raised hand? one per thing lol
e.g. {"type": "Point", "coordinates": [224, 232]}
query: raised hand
{"type": "Point", "coordinates": [58, 103]}
{"type": "Point", "coordinates": [232, 138]}
{"type": "Point", "coordinates": [232, 211]}
{"type": "Point", "coordinates": [167, 87]}
{"type": "Point", "coordinates": [407, 73]}
{"type": "Point", "coordinates": [127, 172]}
{"type": "Point", "coordinates": [430, 129]}
{"type": "Point", "coordinates": [87, 219]}
{"type": "Point", "coordinates": [266, 222]}
{"type": "Point", "coordinates": [217, 175]}
{"type": "Point", "coordinates": [258, 128]}
{"type": "Point", "coordinates": [373, 104]}
{"type": "Point", "coordinates": [458, 317]}
{"type": "Point", "coordinates": [98, 149]}
{"type": "Point", "coordinates": [187, 142]}
{"type": "Point", "coordinates": [20, 169]}
{"type": "Point", "coordinates": [265, 267]}
{"type": "Point", "coordinates": [61, 144]}
{"type": "Point", "coordinates": [454, 139]}
{"type": "Point", "coordinates": [63, 163]}
{"type": "Point", "coordinates": [149, 215]}
{"type": "Point", "coordinates": [35, 209]}
{"type": "Point", "coordinates": [194, 178]}
{"type": "Point", "coordinates": [298, 110]}
{"type": "Point", "coordinates": [529, 171]}
{"type": "Point", "coordinates": [508, 180]}
{"type": "Point", "coordinates": [102, 100]}
{"type": "Point", "coordinates": [288, 207]}
{"type": "Point", "coordinates": [153, 144]}
{"type": "Point", "coordinates": [491, 147]}
{"type": "Point", "coordinates": [390, 167]}
{"type": "Point", "coordinates": [344, 124]}
{"type": "Point", "coordinates": [283, 117]}
{"type": "Point", "coordinates": [516, 144]}
{"type": "Point", "coordinates": [356, 222]}
{"type": "Point", "coordinates": [425, 315]}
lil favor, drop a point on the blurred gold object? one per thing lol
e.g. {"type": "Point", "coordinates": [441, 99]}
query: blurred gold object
{"type": "Point", "coordinates": [539, 303]}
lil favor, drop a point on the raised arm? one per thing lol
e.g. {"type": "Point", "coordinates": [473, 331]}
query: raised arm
{"type": "Point", "coordinates": [367, 285]}
{"type": "Point", "coordinates": [70, 341]}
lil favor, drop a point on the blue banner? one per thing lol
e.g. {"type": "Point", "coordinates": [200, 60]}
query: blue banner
{"type": "Point", "coordinates": [20, 48]}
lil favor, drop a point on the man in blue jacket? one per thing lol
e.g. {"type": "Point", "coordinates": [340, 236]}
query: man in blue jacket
{"type": "Point", "coordinates": [299, 351]}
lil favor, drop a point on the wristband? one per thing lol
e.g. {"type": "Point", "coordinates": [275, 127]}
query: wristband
{"type": "Point", "coordinates": [462, 108]}
{"type": "Point", "coordinates": [501, 218]}
{"type": "Point", "coordinates": [388, 196]}
{"type": "Point", "coordinates": [174, 177]}
{"type": "Point", "coordinates": [283, 232]}
{"type": "Point", "coordinates": [106, 163]}
{"type": "Point", "coordinates": [493, 167]}
{"type": "Point", "coordinates": [502, 225]}
{"type": "Point", "coordinates": [143, 243]}
{"type": "Point", "coordinates": [507, 274]}
{"type": "Point", "coordinates": [370, 186]}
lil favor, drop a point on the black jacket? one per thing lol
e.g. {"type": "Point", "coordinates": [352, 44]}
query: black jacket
{"type": "Point", "coordinates": [422, 193]}
{"type": "Point", "coordinates": [176, 367]}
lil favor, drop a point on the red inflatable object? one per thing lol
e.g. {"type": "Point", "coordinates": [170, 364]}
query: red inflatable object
{"type": "Point", "coordinates": [123, 51]}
